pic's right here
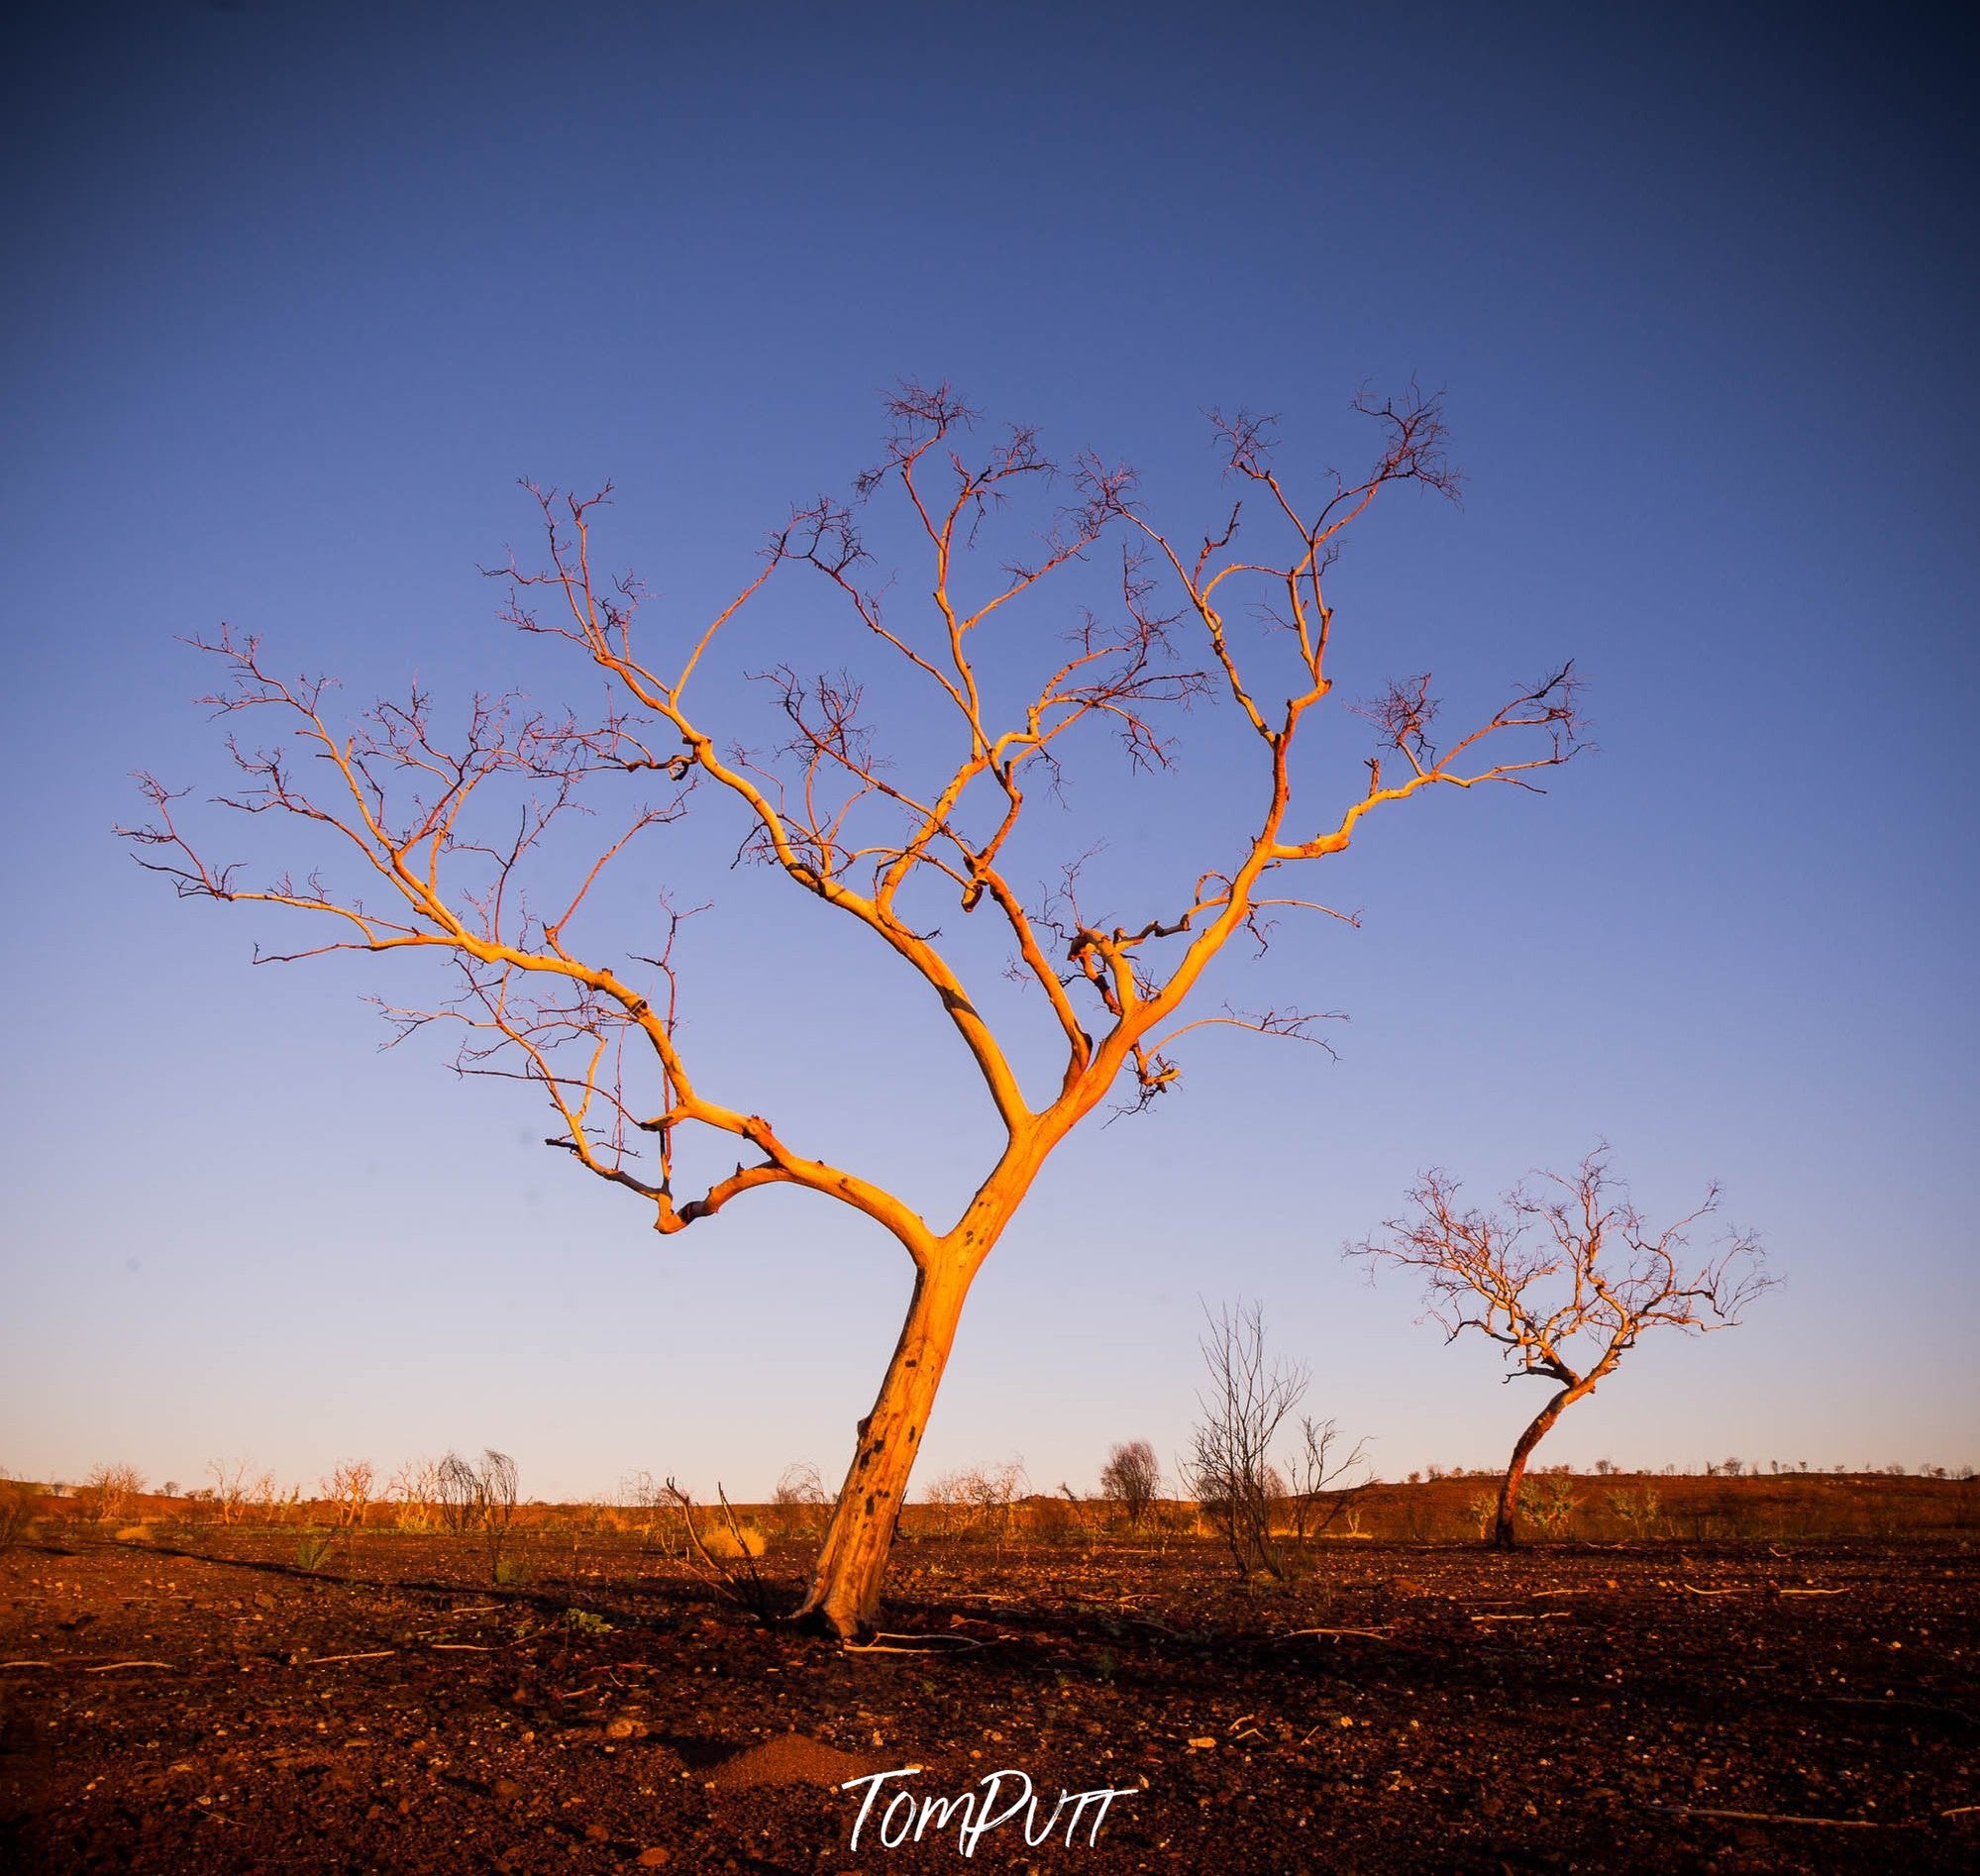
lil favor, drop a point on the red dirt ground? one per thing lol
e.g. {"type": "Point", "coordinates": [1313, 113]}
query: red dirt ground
{"type": "Point", "coordinates": [175, 1707]}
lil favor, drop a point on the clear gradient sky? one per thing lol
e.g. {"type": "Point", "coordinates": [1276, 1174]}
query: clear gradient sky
{"type": "Point", "coordinates": [296, 291]}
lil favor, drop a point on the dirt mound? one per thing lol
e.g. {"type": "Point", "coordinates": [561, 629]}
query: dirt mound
{"type": "Point", "coordinates": [791, 1759]}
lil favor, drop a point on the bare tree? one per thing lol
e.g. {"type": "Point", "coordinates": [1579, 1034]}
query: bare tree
{"type": "Point", "coordinates": [497, 1478]}
{"type": "Point", "coordinates": [1131, 1478]}
{"type": "Point", "coordinates": [230, 1487]}
{"type": "Point", "coordinates": [276, 1501]}
{"type": "Point", "coordinates": [981, 1497]}
{"type": "Point", "coordinates": [1565, 1280]}
{"type": "Point", "coordinates": [1229, 1470]}
{"type": "Point", "coordinates": [457, 1495]}
{"type": "Point", "coordinates": [481, 1498]}
{"type": "Point", "coordinates": [415, 1491]}
{"type": "Point", "coordinates": [109, 1490]}
{"type": "Point", "coordinates": [459, 842]}
{"type": "Point", "coordinates": [801, 1496]}
{"type": "Point", "coordinates": [349, 1488]}
{"type": "Point", "coordinates": [1323, 1483]}
{"type": "Point", "coordinates": [17, 1511]}
{"type": "Point", "coordinates": [643, 1495]}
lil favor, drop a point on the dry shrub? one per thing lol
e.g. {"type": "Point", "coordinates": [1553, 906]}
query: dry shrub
{"type": "Point", "coordinates": [17, 1511]}
{"type": "Point", "coordinates": [731, 1546]}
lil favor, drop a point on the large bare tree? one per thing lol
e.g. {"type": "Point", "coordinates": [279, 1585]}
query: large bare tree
{"type": "Point", "coordinates": [1566, 1280]}
{"type": "Point", "coordinates": [432, 830]}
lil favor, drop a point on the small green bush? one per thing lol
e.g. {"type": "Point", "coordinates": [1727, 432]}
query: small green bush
{"type": "Point", "coordinates": [313, 1550]}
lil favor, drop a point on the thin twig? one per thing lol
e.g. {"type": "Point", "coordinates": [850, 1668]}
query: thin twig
{"type": "Point", "coordinates": [1773, 1817]}
{"type": "Point", "coordinates": [323, 1660]}
{"type": "Point", "coordinates": [926, 1644]}
{"type": "Point", "coordinates": [759, 1599]}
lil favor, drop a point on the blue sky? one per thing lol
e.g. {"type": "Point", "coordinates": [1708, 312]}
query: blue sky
{"type": "Point", "coordinates": [300, 291]}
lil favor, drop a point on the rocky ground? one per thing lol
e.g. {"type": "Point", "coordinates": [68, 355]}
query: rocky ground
{"type": "Point", "coordinates": [206, 1703]}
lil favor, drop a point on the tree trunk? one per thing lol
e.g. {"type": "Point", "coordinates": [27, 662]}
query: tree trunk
{"type": "Point", "coordinates": [1501, 1530]}
{"type": "Point", "coordinates": [846, 1579]}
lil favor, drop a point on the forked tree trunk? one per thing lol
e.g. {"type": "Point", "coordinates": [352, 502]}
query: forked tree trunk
{"type": "Point", "coordinates": [1502, 1537]}
{"type": "Point", "coordinates": [846, 1581]}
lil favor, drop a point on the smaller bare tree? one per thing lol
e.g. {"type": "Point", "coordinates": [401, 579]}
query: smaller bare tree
{"type": "Point", "coordinates": [799, 1484]}
{"type": "Point", "coordinates": [276, 1502]}
{"type": "Point", "coordinates": [980, 1498]}
{"type": "Point", "coordinates": [1323, 1483]}
{"type": "Point", "coordinates": [457, 1494]}
{"type": "Point", "coordinates": [1229, 1470]}
{"type": "Point", "coordinates": [1131, 1479]}
{"type": "Point", "coordinates": [108, 1491]}
{"type": "Point", "coordinates": [349, 1488]}
{"type": "Point", "coordinates": [17, 1508]}
{"type": "Point", "coordinates": [499, 1480]}
{"type": "Point", "coordinates": [1565, 1280]}
{"type": "Point", "coordinates": [233, 1487]}
{"type": "Point", "coordinates": [641, 1494]}
{"type": "Point", "coordinates": [478, 1497]}
{"type": "Point", "coordinates": [801, 1497]}
{"type": "Point", "coordinates": [415, 1491]}
{"type": "Point", "coordinates": [996, 1490]}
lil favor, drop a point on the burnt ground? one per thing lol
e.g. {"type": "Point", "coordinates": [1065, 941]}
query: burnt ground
{"type": "Point", "coordinates": [176, 1705]}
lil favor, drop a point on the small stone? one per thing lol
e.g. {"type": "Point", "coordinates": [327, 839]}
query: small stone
{"type": "Point", "coordinates": [596, 1832]}
{"type": "Point", "coordinates": [507, 1788]}
{"type": "Point", "coordinates": [621, 1728]}
{"type": "Point", "coordinates": [654, 1857]}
